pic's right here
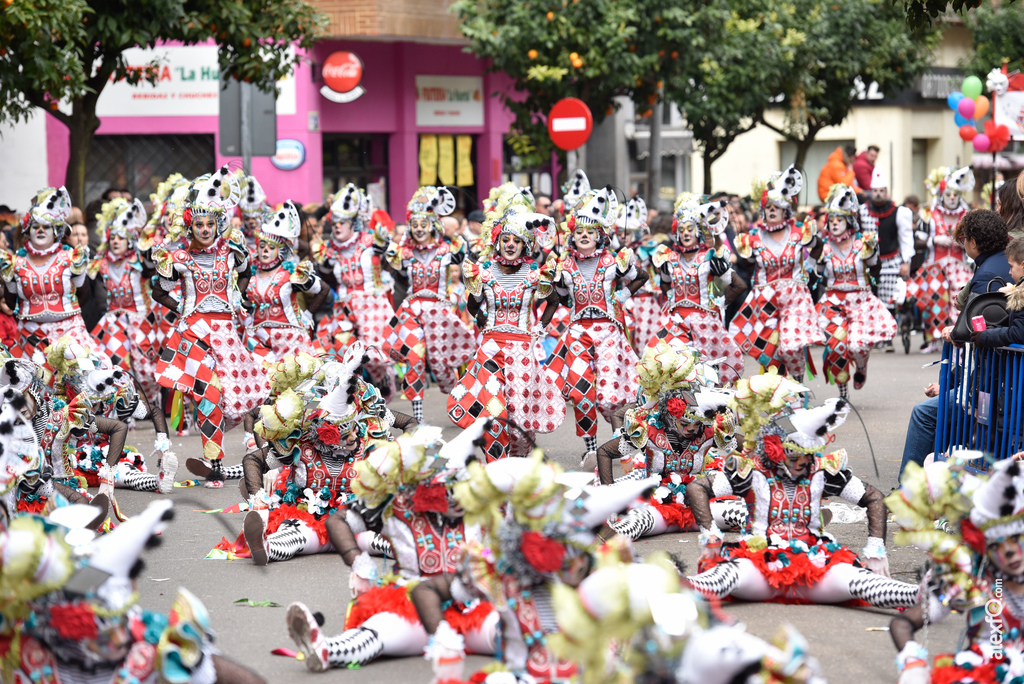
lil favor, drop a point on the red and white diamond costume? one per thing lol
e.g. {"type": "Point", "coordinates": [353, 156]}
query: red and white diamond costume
{"type": "Point", "coordinates": [425, 328]}
{"type": "Point", "coordinates": [507, 380]}
{"type": "Point", "coordinates": [852, 317]}
{"type": "Point", "coordinates": [280, 323]}
{"type": "Point", "coordinates": [204, 357]}
{"type": "Point", "coordinates": [47, 303]}
{"type": "Point", "coordinates": [687, 275]}
{"type": "Point", "coordinates": [594, 360]}
{"type": "Point", "coordinates": [644, 315]}
{"type": "Point", "coordinates": [126, 332]}
{"type": "Point", "coordinates": [945, 271]}
{"type": "Point", "coordinates": [777, 322]}
{"type": "Point", "coordinates": [362, 305]}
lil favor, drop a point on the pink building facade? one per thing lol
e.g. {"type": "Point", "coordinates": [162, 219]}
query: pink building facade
{"type": "Point", "coordinates": [375, 138]}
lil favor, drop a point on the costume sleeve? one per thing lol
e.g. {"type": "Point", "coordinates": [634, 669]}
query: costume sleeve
{"type": "Point", "coordinates": [625, 263]}
{"type": "Point", "coordinates": [305, 279]}
{"type": "Point", "coordinates": [78, 262]}
{"type": "Point", "coordinates": [164, 264]}
{"type": "Point", "coordinates": [236, 240]}
{"type": "Point", "coordinates": [905, 230]}
{"type": "Point", "coordinates": [545, 275]}
{"type": "Point", "coordinates": [472, 277]}
{"type": "Point", "coordinates": [721, 485]}
{"type": "Point", "coordinates": [736, 476]}
{"type": "Point", "coordinates": [371, 271]}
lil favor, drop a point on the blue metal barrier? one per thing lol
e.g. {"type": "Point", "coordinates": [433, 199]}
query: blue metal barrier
{"type": "Point", "coordinates": [981, 402]}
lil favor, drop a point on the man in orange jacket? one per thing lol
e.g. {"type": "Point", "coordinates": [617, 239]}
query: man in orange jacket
{"type": "Point", "coordinates": [838, 169]}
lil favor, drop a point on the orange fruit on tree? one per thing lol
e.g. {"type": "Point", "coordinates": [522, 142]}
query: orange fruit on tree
{"type": "Point", "coordinates": [551, 16]}
{"type": "Point", "coordinates": [532, 54]}
{"type": "Point", "coordinates": [573, 56]}
{"type": "Point", "coordinates": [674, 54]}
{"type": "Point", "coordinates": [247, 43]}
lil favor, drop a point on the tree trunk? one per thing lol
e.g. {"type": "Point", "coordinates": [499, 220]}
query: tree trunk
{"type": "Point", "coordinates": [802, 148]}
{"type": "Point", "coordinates": [82, 128]}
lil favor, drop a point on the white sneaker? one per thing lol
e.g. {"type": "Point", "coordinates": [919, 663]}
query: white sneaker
{"type": "Point", "coordinates": [307, 635]}
{"type": "Point", "coordinates": [168, 469]}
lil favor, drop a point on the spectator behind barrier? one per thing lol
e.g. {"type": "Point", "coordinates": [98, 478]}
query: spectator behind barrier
{"type": "Point", "coordinates": [1013, 332]}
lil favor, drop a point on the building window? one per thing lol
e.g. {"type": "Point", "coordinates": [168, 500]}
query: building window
{"type": "Point", "coordinates": [448, 160]}
{"type": "Point", "coordinates": [138, 163]}
{"type": "Point", "coordinates": [358, 159]}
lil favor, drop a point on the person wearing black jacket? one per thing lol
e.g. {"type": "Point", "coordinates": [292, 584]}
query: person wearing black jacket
{"type": "Point", "coordinates": [1013, 331]}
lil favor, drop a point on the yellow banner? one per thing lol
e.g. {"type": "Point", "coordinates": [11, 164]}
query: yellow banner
{"type": "Point", "coordinates": [464, 161]}
{"type": "Point", "coordinates": [446, 159]}
{"type": "Point", "coordinates": [428, 160]}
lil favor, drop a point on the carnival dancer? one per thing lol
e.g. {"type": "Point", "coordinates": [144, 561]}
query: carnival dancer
{"type": "Point", "coordinates": [126, 332]}
{"type": "Point", "coordinates": [319, 440]}
{"type": "Point", "coordinates": [692, 274]}
{"type": "Point", "coordinates": [894, 228]}
{"type": "Point", "coordinates": [507, 380]}
{"type": "Point", "coordinates": [204, 358]}
{"type": "Point", "coordinates": [168, 201]}
{"type": "Point", "coordinates": [254, 209]}
{"type": "Point", "coordinates": [972, 529]}
{"type": "Point", "coordinates": [112, 397]}
{"type": "Point", "coordinates": [945, 271]}
{"type": "Point", "coordinates": [559, 320]}
{"type": "Point", "coordinates": [852, 317]}
{"type": "Point", "coordinates": [594, 360]}
{"type": "Point", "coordinates": [539, 531]}
{"type": "Point", "coordinates": [349, 264]}
{"type": "Point", "coordinates": [43, 278]}
{"type": "Point", "coordinates": [407, 483]}
{"type": "Point", "coordinates": [684, 429]}
{"type": "Point", "coordinates": [777, 322]}
{"type": "Point", "coordinates": [283, 290]}
{"type": "Point", "coordinates": [645, 306]}
{"type": "Point", "coordinates": [425, 329]}
{"type": "Point", "coordinates": [786, 555]}
{"type": "Point", "coordinates": [75, 616]}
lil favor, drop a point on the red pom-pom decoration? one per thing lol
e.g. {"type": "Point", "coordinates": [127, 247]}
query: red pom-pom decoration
{"type": "Point", "coordinates": [542, 553]}
{"type": "Point", "coordinates": [430, 499]}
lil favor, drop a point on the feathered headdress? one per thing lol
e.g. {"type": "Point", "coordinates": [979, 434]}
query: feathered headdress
{"type": "Point", "coordinates": [253, 201]}
{"type": "Point", "coordinates": [936, 180]}
{"type": "Point", "coordinates": [283, 226]}
{"type": "Point", "coordinates": [711, 218]}
{"type": "Point", "coordinates": [52, 207]}
{"type": "Point", "coordinates": [432, 203]}
{"type": "Point", "coordinates": [217, 193]}
{"type": "Point", "coordinates": [842, 201]}
{"type": "Point", "coordinates": [347, 204]}
{"type": "Point", "coordinates": [961, 180]}
{"type": "Point", "coordinates": [596, 208]}
{"type": "Point", "coordinates": [574, 189]}
{"type": "Point", "coordinates": [120, 217]}
{"type": "Point", "coordinates": [783, 190]}
{"type": "Point", "coordinates": [632, 219]}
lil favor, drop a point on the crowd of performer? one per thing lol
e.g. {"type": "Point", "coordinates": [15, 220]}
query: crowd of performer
{"type": "Point", "coordinates": [482, 544]}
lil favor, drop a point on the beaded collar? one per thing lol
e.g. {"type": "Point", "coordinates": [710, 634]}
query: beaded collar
{"type": "Point", "coordinates": [576, 254]}
{"type": "Point", "coordinates": [42, 252]}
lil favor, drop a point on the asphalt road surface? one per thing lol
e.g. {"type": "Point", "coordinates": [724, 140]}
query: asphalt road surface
{"type": "Point", "coordinates": [852, 644]}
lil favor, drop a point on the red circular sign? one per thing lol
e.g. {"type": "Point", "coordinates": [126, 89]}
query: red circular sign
{"type": "Point", "coordinates": [342, 71]}
{"type": "Point", "coordinates": [570, 123]}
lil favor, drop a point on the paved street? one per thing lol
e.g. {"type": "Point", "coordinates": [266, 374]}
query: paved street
{"type": "Point", "coordinates": [845, 640]}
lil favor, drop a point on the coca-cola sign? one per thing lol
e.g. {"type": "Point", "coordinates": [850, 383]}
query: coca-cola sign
{"type": "Point", "coordinates": [342, 72]}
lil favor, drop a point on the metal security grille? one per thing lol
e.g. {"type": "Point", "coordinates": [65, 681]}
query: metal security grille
{"type": "Point", "coordinates": [139, 162]}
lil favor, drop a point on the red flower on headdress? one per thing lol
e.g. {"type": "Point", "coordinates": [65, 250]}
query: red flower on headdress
{"type": "Point", "coordinates": [974, 537]}
{"type": "Point", "coordinates": [430, 498]}
{"type": "Point", "coordinates": [571, 223]}
{"type": "Point", "coordinates": [328, 433]}
{"type": "Point", "coordinates": [773, 448]}
{"type": "Point", "coordinates": [677, 407]}
{"type": "Point", "coordinates": [74, 621]}
{"type": "Point", "coordinates": [542, 553]}
{"type": "Point", "coordinates": [186, 216]}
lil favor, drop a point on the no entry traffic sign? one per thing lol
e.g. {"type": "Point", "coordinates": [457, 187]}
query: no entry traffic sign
{"type": "Point", "coordinates": [570, 123]}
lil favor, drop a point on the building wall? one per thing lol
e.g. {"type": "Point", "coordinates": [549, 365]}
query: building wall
{"type": "Point", "coordinates": [416, 19]}
{"type": "Point", "coordinates": [23, 162]}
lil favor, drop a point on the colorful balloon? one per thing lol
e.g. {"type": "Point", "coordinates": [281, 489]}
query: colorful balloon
{"type": "Point", "coordinates": [981, 106]}
{"type": "Point", "coordinates": [961, 121]}
{"type": "Point", "coordinates": [981, 142]}
{"type": "Point", "coordinates": [954, 99]}
{"type": "Point", "coordinates": [971, 87]}
{"type": "Point", "coordinates": [966, 108]}
{"type": "Point", "coordinates": [968, 133]}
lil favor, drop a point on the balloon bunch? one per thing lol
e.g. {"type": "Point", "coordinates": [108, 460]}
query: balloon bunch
{"type": "Point", "coordinates": [971, 106]}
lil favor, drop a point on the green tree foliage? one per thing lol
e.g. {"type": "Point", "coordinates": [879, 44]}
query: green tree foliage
{"type": "Point", "coordinates": [256, 40]}
{"type": "Point", "coordinates": [594, 50]}
{"type": "Point", "coordinates": [739, 54]}
{"type": "Point", "coordinates": [921, 12]}
{"type": "Point", "coordinates": [865, 39]}
{"type": "Point", "coordinates": [998, 37]}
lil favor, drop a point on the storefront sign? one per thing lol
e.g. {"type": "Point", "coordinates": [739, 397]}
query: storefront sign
{"type": "Point", "coordinates": [449, 101]}
{"type": "Point", "coordinates": [342, 72]}
{"type": "Point", "coordinates": [186, 85]}
{"type": "Point", "coordinates": [291, 154]}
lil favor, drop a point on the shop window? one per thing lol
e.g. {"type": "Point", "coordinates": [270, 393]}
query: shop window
{"type": "Point", "coordinates": [449, 160]}
{"type": "Point", "coordinates": [139, 162]}
{"type": "Point", "coordinates": [358, 159]}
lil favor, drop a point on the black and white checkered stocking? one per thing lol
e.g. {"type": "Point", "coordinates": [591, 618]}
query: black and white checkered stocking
{"type": "Point", "coordinates": [591, 442]}
{"type": "Point", "coordinates": [354, 647]}
{"type": "Point", "coordinates": [638, 522]}
{"type": "Point", "coordinates": [882, 592]}
{"type": "Point", "coordinates": [729, 514]}
{"type": "Point", "coordinates": [232, 472]}
{"type": "Point", "coordinates": [132, 478]}
{"type": "Point", "coordinates": [844, 390]}
{"type": "Point", "coordinates": [381, 546]}
{"type": "Point", "coordinates": [287, 542]}
{"type": "Point", "coordinates": [417, 410]}
{"type": "Point", "coordinates": [718, 582]}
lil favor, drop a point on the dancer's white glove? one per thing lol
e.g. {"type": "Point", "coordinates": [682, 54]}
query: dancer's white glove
{"type": "Point", "coordinates": [874, 558]}
{"type": "Point", "coordinates": [259, 501]}
{"type": "Point", "coordinates": [363, 575]}
{"type": "Point", "coordinates": [446, 653]}
{"type": "Point", "coordinates": [913, 664]}
{"type": "Point", "coordinates": [106, 477]}
{"type": "Point", "coordinates": [161, 443]}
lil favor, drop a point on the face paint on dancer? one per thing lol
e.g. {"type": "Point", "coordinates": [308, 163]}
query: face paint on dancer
{"type": "Point", "coordinates": [118, 245]}
{"type": "Point", "coordinates": [510, 247]}
{"type": "Point", "coordinates": [951, 199]}
{"type": "Point", "coordinates": [585, 238]}
{"type": "Point", "coordinates": [204, 229]}
{"type": "Point", "coordinates": [689, 237]}
{"type": "Point", "coordinates": [774, 216]}
{"type": "Point", "coordinates": [1008, 555]}
{"type": "Point", "coordinates": [251, 222]}
{"type": "Point", "coordinates": [879, 196]}
{"type": "Point", "coordinates": [420, 230]}
{"type": "Point", "coordinates": [341, 231]}
{"type": "Point", "coordinates": [267, 252]}
{"type": "Point", "coordinates": [41, 236]}
{"type": "Point", "coordinates": [796, 464]}
{"type": "Point", "coordinates": [838, 227]}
